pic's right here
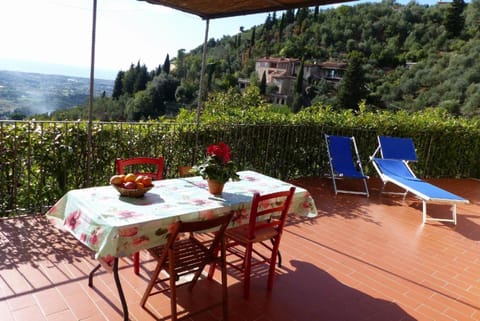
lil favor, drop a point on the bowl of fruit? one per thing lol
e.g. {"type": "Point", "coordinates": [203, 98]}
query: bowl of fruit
{"type": "Point", "coordinates": [131, 185]}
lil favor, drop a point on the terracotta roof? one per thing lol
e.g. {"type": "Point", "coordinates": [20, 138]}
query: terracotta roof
{"type": "Point", "coordinates": [333, 64]}
{"type": "Point", "coordinates": [209, 9]}
{"type": "Point", "coordinates": [277, 59]}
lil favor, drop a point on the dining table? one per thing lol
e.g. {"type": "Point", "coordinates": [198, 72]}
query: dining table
{"type": "Point", "coordinates": [114, 226]}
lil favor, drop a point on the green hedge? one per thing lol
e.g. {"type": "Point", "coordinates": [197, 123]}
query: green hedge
{"type": "Point", "coordinates": [41, 161]}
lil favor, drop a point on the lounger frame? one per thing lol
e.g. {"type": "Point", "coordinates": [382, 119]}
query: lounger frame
{"type": "Point", "coordinates": [403, 182]}
{"type": "Point", "coordinates": [355, 158]}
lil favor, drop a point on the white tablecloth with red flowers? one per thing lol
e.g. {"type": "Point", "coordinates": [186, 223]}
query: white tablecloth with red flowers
{"type": "Point", "coordinates": [116, 226]}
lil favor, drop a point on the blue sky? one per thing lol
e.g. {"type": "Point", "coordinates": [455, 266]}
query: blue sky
{"type": "Point", "coordinates": [48, 36]}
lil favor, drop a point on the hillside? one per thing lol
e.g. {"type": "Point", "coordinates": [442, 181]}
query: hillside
{"type": "Point", "coordinates": [32, 93]}
{"type": "Point", "coordinates": [398, 57]}
{"type": "Point", "coordinates": [414, 56]}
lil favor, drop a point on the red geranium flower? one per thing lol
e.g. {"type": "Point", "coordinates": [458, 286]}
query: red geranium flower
{"type": "Point", "coordinates": [220, 151]}
{"type": "Point", "coordinates": [217, 165]}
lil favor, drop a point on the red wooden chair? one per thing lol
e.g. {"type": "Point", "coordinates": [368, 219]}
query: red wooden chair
{"type": "Point", "coordinates": [149, 166]}
{"type": "Point", "coordinates": [185, 254]}
{"type": "Point", "coordinates": [267, 218]}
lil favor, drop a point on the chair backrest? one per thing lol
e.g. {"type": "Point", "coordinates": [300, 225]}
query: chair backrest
{"type": "Point", "coordinates": [269, 210]}
{"type": "Point", "coordinates": [218, 225]}
{"type": "Point", "coordinates": [340, 151]}
{"type": "Point", "coordinates": [150, 166]}
{"type": "Point", "coordinates": [183, 170]}
{"type": "Point", "coordinates": [397, 148]}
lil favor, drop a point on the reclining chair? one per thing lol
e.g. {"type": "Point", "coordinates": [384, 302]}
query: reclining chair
{"type": "Point", "coordinates": [393, 167]}
{"type": "Point", "coordinates": [345, 162]}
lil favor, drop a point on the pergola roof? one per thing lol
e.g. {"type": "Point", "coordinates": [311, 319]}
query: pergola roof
{"type": "Point", "coordinates": [209, 9]}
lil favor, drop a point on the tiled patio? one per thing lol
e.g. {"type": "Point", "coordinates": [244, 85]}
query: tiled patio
{"type": "Point", "coordinates": [360, 259]}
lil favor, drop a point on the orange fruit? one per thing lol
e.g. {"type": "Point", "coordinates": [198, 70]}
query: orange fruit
{"type": "Point", "coordinates": [130, 177]}
{"type": "Point", "coordinates": [140, 185]}
{"type": "Point", "coordinates": [139, 178]}
{"type": "Point", "coordinates": [116, 180]}
{"type": "Point", "coordinates": [147, 181]}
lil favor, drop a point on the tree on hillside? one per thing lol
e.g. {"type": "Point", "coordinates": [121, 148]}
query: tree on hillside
{"type": "Point", "coordinates": [268, 24]}
{"type": "Point", "coordinates": [299, 80]}
{"type": "Point", "coordinates": [289, 16]}
{"type": "Point", "coordinates": [455, 20]}
{"type": "Point", "coordinates": [166, 65]}
{"type": "Point", "coordinates": [472, 18]}
{"type": "Point", "coordinates": [141, 78]}
{"type": "Point", "coordinates": [151, 102]}
{"type": "Point", "coordinates": [129, 80]}
{"type": "Point", "coordinates": [263, 84]}
{"type": "Point", "coordinates": [302, 14]}
{"type": "Point", "coordinates": [281, 27]}
{"type": "Point", "coordinates": [180, 64]}
{"type": "Point", "coordinates": [252, 38]}
{"type": "Point", "coordinates": [352, 86]}
{"type": "Point", "coordinates": [210, 69]}
{"type": "Point", "coordinates": [118, 85]}
{"type": "Point", "coordinates": [298, 97]}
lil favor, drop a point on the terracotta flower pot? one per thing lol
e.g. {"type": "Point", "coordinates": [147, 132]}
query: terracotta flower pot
{"type": "Point", "coordinates": [215, 187]}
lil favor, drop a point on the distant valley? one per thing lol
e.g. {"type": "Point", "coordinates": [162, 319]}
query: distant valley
{"type": "Point", "coordinates": [34, 93]}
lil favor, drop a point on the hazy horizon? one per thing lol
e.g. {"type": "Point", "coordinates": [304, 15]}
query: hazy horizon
{"type": "Point", "coordinates": [56, 69]}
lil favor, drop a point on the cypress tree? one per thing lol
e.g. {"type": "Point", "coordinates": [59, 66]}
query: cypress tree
{"type": "Point", "coordinates": [289, 16]}
{"type": "Point", "coordinates": [166, 65]}
{"type": "Point", "coordinates": [299, 82]}
{"type": "Point", "coordinates": [129, 80]}
{"type": "Point", "coordinates": [455, 20]}
{"type": "Point", "coordinates": [298, 101]}
{"type": "Point", "coordinates": [268, 23]}
{"type": "Point", "coordinates": [252, 39]}
{"type": "Point", "coordinates": [263, 84]}
{"type": "Point", "coordinates": [118, 85]}
{"type": "Point", "coordinates": [141, 79]}
{"type": "Point", "coordinates": [352, 86]}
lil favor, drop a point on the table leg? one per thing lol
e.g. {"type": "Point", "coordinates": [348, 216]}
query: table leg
{"type": "Point", "coordinates": [90, 276]}
{"type": "Point", "coordinates": [119, 288]}
{"type": "Point", "coordinates": [116, 277]}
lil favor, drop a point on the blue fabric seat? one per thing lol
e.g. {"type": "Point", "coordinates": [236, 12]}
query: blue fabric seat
{"type": "Point", "coordinates": [345, 162]}
{"type": "Point", "coordinates": [393, 167]}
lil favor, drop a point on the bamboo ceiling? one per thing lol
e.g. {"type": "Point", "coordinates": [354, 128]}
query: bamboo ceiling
{"type": "Point", "coordinates": [210, 9]}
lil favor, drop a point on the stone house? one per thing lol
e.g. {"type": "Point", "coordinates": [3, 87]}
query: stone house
{"type": "Point", "coordinates": [282, 73]}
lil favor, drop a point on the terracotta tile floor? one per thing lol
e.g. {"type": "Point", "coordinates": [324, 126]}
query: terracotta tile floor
{"type": "Point", "coordinates": [360, 259]}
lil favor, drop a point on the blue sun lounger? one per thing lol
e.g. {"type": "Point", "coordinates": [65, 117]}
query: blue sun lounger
{"type": "Point", "coordinates": [393, 168]}
{"type": "Point", "coordinates": [345, 162]}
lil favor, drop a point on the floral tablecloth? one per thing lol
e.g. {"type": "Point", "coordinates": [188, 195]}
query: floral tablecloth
{"type": "Point", "coordinates": [115, 226]}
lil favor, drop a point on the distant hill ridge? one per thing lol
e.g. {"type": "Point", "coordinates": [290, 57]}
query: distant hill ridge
{"type": "Point", "coordinates": [35, 93]}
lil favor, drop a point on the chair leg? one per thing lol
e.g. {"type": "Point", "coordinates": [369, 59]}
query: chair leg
{"type": "Point", "coordinates": [247, 270]}
{"type": "Point", "coordinates": [150, 285]}
{"type": "Point", "coordinates": [279, 256]}
{"type": "Point", "coordinates": [273, 258]}
{"type": "Point", "coordinates": [224, 282]}
{"type": "Point", "coordinates": [173, 290]}
{"type": "Point", "coordinates": [195, 278]}
{"type": "Point", "coordinates": [211, 270]}
{"type": "Point", "coordinates": [136, 263]}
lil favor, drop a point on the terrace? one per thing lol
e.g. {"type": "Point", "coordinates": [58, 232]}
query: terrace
{"type": "Point", "coordinates": [359, 259]}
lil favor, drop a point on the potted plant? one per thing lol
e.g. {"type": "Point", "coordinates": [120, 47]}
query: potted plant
{"type": "Point", "coordinates": [217, 167]}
